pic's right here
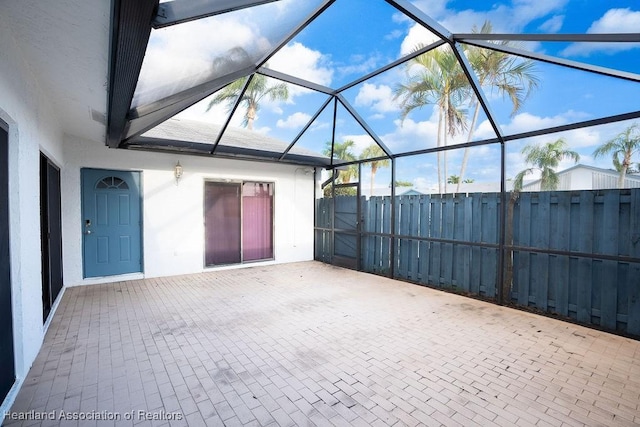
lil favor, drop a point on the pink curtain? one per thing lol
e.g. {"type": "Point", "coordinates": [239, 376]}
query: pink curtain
{"type": "Point", "coordinates": [257, 221]}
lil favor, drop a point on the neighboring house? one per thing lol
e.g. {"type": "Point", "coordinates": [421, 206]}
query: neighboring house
{"type": "Point", "coordinates": [408, 192]}
{"type": "Point", "coordinates": [386, 191]}
{"type": "Point", "coordinates": [466, 188]}
{"type": "Point", "coordinates": [583, 177]}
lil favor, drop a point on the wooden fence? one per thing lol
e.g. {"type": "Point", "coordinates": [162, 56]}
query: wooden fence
{"type": "Point", "coordinates": [597, 290]}
{"type": "Point", "coordinates": [575, 252]}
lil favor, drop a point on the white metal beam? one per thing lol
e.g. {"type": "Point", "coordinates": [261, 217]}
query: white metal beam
{"type": "Point", "coordinates": [180, 11]}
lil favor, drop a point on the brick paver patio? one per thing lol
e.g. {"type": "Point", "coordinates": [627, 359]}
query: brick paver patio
{"type": "Point", "coordinates": [311, 344]}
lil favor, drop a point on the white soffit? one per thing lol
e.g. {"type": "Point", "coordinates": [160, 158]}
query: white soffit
{"type": "Point", "coordinates": [66, 44]}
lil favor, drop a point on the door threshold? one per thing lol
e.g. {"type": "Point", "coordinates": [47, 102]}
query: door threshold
{"type": "Point", "coordinates": [109, 279]}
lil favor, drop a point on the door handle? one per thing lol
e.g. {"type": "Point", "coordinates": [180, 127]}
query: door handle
{"type": "Point", "coordinates": [87, 232]}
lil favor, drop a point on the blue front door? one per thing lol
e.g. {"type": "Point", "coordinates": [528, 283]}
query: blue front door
{"type": "Point", "coordinates": [111, 222]}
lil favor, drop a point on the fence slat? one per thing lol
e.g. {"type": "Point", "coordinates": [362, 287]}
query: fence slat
{"type": "Point", "coordinates": [385, 261]}
{"type": "Point", "coordinates": [490, 261]}
{"type": "Point", "coordinates": [476, 251]}
{"type": "Point", "coordinates": [609, 288]}
{"type": "Point", "coordinates": [402, 227]}
{"type": "Point", "coordinates": [436, 231]}
{"type": "Point", "coordinates": [378, 247]}
{"type": "Point", "coordinates": [540, 276]}
{"type": "Point", "coordinates": [425, 253]}
{"type": "Point", "coordinates": [633, 321]}
{"type": "Point", "coordinates": [447, 249]}
{"type": "Point", "coordinates": [563, 235]}
{"type": "Point", "coordinates": [584, 264]}
{"type": "Point", "coordinates": [465, 279]}
{"type": "Point", "coordinates": [366, 242]}
{"type": "Point", "coordinates": [522, 237]}
{"type": "Point", "coordinates": [413, 231]}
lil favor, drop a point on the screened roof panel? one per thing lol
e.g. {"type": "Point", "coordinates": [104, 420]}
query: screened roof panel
{"type": "Point", "coordinates": [478, 176]}
{"type": "Point", "coordinates": [202, 137]}
{"type": "Point", "coordinates": [345, 43]}
{"type": "Point", "coordinates": [188, 54]}
{"type": "Point", "coordinates": [622, 56]}
{"type": "Point", "coordinates": [564, 95]}
{"type": "Point", "coordinates": [383, 98]}
{"type": "Point", "coordinates": [350, 131]}
{"type": "Point", "coordinates": [318, 136]}
{"type": "Point", "coordinates": [545, 17]}
{"type": "Point", "coordinates": [283, 109]}
{"type": "Point", "coordinates": [356, 55]}
{"type": "Point", "coordinates": [584, 141]}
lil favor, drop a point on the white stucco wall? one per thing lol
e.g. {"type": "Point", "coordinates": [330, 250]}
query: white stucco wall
{"type": "Point", "coordinates": [33, 127]}
{"type": "Point", "coordinates": [173, 229]}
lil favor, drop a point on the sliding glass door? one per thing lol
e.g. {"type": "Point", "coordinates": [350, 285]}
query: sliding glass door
{"type": "Point", "coordinates": [238, 222]}
{"type": "Point", "coordinates": [222, 223]}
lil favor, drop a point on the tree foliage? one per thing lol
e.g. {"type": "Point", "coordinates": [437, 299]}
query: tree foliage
{"type": "Point", "coordinates": [622, 148]}
{"type": "Point", "coordinates": [545, 158]}
{"type": "Point", "coordinates": [371, 152]}
{"type": "Point", "coordinates": [436, 78]}
{"type": "Point", "coordinates": [508, 75]}
{"type": "Point", "coordinates": [258, 89]}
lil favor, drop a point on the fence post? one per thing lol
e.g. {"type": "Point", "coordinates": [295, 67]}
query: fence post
{"type": "Point", "coordinates": [503, 229]}
{"type": "Point", "coordinates": [392, 258]}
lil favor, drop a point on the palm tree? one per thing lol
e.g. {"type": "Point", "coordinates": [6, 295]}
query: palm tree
{"type": "Point", "coordinates": [455, 179]}
{"type": "Point", "coordinates": [343, 151]}
{"type": "Point", "coordinates": [625, 144]}
{"type": "Point", "coordinates": [440, 81]}
{"type": "Point", "coordinates": [546, 159]}
{"type": "Point", "coordinates": [508, 74]}
{"type": "Point", "coordinates": [371, 152]}
{"type": "Point", "coordinates": [258, 89]}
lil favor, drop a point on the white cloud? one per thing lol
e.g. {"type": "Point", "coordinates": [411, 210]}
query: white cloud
{"type": "Point", "coordinates": [613, 21]}
{"type": "Point", "coordinates": [434, 8]}
{"type": "Point", "coordinates": [484, 130]}
{"type": "Point", "coordinates": [360, 64]}
{"type": "Point", "coordinates": [505, 18]}
{"type": "Point", "coordinates": [318, 125]}
{"type": "Point", "coordinates": [264, 130]}
{"type": "Point", "coordinates": [525, 122]}
{"type": "Point", "coordinates": [525, 11]}
{"type": "Point", "coordinates": [417, 35]}
{"type": "Point", "coordinates": [378, 98]}
{"type": "Point", "coordinates": [294, 121]}
{"type": "Point", "coordinates": [426, 185]}
{"type": "Point", "coordinates": [217, 114]}
{"type": "Point", "coordinates": [300, 61]}
{"type": "Point", "coordinates": [176, 60]}
{"type": "Point", "coordinates": [395, 34]}
{"type": "Point", "coordinates": [553, 24]}
{"type": "Point", "coordinates": [617, 21]}
{"type": "Point", "coordinates": [411, 135]}
{"type": "Point", "coordinates": [361, 142]}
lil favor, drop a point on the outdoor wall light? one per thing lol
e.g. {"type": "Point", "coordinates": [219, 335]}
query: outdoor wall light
{"type": "Point", "coordinates": [177, 172]}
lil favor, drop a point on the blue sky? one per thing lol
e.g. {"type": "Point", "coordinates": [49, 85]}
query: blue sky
{"type": "Point", "coordinates": [355, 37]}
